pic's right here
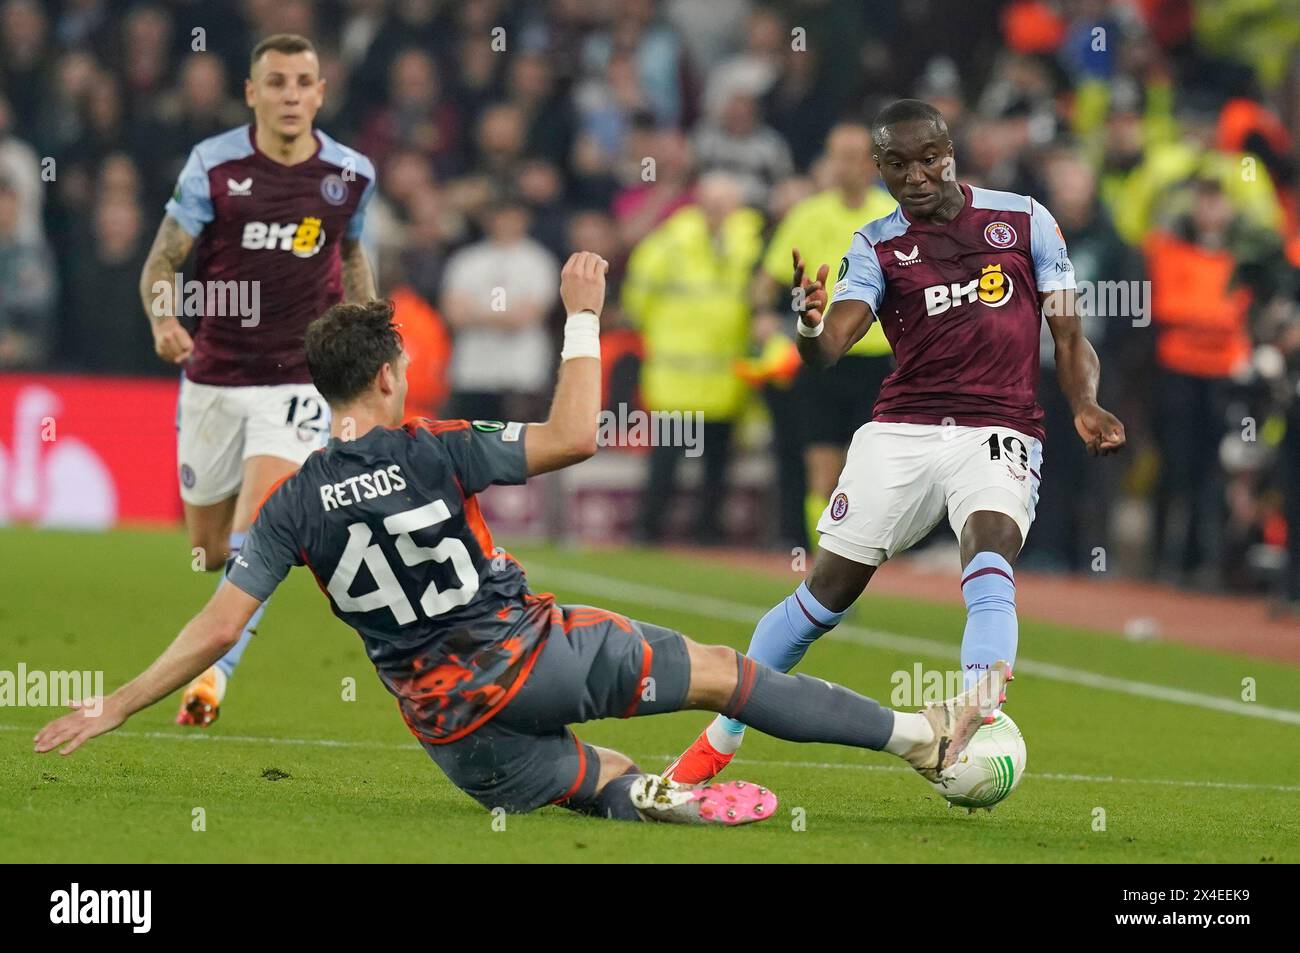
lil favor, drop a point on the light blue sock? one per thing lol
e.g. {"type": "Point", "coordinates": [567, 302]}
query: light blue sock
{"type": "Point", "coordinates": [784, 634]}
{"type": "Point", "coordinates": [988, 585]}
{"type": "Point", "coordinates": [228, 661]}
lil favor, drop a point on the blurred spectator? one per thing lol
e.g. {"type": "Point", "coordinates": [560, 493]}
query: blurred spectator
{"type": "Point", "coordinates": [540, 187]}
{"type": "Point", "coordinates": [418, 116]}
{"type": "Point", "coordinates": [24, 34]}
{"type": "Point", "coordinates": [20, 167]}
{"type": "Point", "coordinates": [707, 29]}
{"type": "Point", "coordinates": [428, 235]}
{"type": "Point", "coordinates": [801, 113]}
{"type": "Point", "coordinates": [755, 69]}
{"type": "Point", "coordinates": [737, 142]}
{"type": "Point", "coordinates": [652, 49]}
{"type": "Point", "coordinates": [661, 188]}
{"type": "Point", "coordinates": [1200, 309]}
{"type": "Point", "coordinates": [500, 141]}
{"type": "Point", "coordinates": [147, 34]}
{"type": "Point", "coordinates": [104, 329]}
{"type": "Point", "coordinates": [548, 114]}
{"type": "Point", "coordinates": [82, 23]}
{"type": "Point", "coordinates": [61, 123]}
{"type": "Point", "coordinates": [1289, 345]}
{"type": "Point", "coordinates": [608, 106]}
{"type": "Point", "coordinates": [427, 343]}
{"type": "Point", "coordinates": [687, 291]}
{"type": "Point", "coordinates": [27, 289]}
{"type": "Point", "coordinates": [497, 295]}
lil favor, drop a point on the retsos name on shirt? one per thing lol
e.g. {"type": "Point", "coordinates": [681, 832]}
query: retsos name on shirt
{"type": "Point", "coordinates": [366, 486]}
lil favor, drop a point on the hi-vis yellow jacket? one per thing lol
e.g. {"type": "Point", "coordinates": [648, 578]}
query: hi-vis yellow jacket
{"type": "Point", "coordinates": [689, 296]}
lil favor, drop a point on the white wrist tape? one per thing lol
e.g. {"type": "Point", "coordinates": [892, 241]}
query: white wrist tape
{"type": "Point", "coordinates": [581, 336]}
{"type": "Point", "coordinates": [809, 331]}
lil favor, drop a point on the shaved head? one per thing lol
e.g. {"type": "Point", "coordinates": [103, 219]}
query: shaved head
{"type": "Point", "coordinates": [905, 110]}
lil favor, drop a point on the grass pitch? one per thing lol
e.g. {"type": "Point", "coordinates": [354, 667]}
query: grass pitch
{"type": "Point", "coordinates": [1138, 752]}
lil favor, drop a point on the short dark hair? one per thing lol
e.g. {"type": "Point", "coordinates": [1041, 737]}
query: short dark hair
{"type": "Point", "coordinates": [904, 110]}
{"type": "Point", "coordinates": [281, 43]}
{"type": "Point", "coordinates": [348, 344]}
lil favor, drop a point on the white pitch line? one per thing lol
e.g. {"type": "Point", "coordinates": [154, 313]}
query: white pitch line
{"type": "Point", "coordinates": [194, 737]}
{"type": "Point", "coordinates": [727, 610]}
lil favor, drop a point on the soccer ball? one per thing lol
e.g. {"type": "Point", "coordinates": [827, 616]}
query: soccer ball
{"type": "Point", "coordinates": [990, 767]}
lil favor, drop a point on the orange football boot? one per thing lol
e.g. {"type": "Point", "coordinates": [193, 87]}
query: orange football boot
{"type": "Point", "coordinates": [699, 763]}
{"type": "Point", "coordinates": [201, 701]}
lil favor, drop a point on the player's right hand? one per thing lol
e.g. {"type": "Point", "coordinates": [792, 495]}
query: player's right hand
{"type": "Point", "coordinates": [810, 296]}
{"type": "Point", "coordinates": [90, 717]}
{"type": "Point", "coordinates": [171, 341]}
{"type": "Point", "coordinates": [582, 282]}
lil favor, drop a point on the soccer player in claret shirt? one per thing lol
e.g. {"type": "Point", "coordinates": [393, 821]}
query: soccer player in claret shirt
{"type": "Point", "coordinates": [274, 212]}
{"type": "Point", "coordinates": [488, 674]}
{"type": "Point", "coordinates": [960, 278]}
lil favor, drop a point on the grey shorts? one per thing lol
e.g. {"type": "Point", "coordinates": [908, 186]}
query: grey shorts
{"type": "Point", "coordinates": [594, 664]}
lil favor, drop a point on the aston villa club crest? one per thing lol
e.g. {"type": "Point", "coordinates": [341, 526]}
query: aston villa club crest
{"type": "Point", "coordinates": [334, 190]}
{"type": "Point", "coordinates": [839, 506]}
{"type": "Point", "coordinates": [1000, 235]}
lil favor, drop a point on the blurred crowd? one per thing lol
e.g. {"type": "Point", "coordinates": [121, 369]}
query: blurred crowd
{"type": "Point", "coordinates": [674, 137]}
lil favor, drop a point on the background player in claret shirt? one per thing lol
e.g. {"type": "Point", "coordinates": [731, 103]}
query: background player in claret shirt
{"type": "Point", "coordinates": [960, 279]}
{"type": "Point", "coordinates": [276, 207]}
{"type": "Point", "coordinates": [487, 674]}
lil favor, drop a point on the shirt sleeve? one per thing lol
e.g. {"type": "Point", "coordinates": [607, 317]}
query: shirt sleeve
{"type": "Point", "coordinates": [860, 277]}
{"type": "Point", "coordinates": [191, 202]}
{"type": "Point", "coordinates": [482, 452]}
{"type": "Point", "coordinates": [357, 223]}
{"type": "Point", "coordinates": [1053, 270]}
{"type": "Point", "coordinates": [270, 549]}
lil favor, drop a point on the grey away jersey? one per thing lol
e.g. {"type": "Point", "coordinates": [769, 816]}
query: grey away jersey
{"type": "Point", "coordinates": [390, 526]}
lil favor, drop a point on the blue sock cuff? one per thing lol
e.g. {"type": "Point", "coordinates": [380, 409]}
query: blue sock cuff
{"type": "Point", "coordinates": [814, 610]}
{"type": "Point", "coordinates": [987, 564]}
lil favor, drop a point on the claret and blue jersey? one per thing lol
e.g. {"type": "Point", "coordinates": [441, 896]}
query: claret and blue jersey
{"type": "Point", "coordinates": [959, 304]}
{"type": "Point", "coordinates": [258, 220]}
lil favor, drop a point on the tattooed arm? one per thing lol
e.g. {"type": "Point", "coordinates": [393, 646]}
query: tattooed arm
{"type": "Point", "coordinates": [358, 281]}
{"type": "Point", "coordinates": [171, 246]}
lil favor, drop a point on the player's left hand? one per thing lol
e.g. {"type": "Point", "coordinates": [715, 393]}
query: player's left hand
{"type": "Point", "coordinates": [1099, 429]}
{"type": "Point", "coordinates": [91, 717]}
{"type": "Point", "coordinates": [812, 307]}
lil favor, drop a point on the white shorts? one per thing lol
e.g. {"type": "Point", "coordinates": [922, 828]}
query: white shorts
{"type": "Point", "coordinates": [218, 428]}
{"type": "Point", "coordinates": [900, 479]}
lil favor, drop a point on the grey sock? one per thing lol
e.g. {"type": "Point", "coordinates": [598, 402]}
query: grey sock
{"type": "Point", "coordinates": [803, 708]}
{"type": "Point", "coordinates": [614, 801]}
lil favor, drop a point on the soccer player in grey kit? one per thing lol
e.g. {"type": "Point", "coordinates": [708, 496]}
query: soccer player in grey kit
{"type": "Point", "coordinates": [960, 279]}
{"type": "Point", "coordinates": [489, 675]}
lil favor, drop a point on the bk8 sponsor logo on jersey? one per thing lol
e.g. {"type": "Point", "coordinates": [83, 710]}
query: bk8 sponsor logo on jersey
{"type": "Point", "coordinates": [303, 238]}
{"type": "Point", "coordinates": [992, 287]}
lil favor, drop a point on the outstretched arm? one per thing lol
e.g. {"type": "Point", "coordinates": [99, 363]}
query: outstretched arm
{"type": "Point", "coordinates": [825, 335]}
{"type": "Point", "coordinates": [205, 638]}
{"type": "Point", "coordinates": [1079, 372]}
{"type": "Point", "coordinates": [569, 434]}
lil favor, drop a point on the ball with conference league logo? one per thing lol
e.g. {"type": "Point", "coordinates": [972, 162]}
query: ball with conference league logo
{"type": "Point", "coordinates": [989, 769]}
